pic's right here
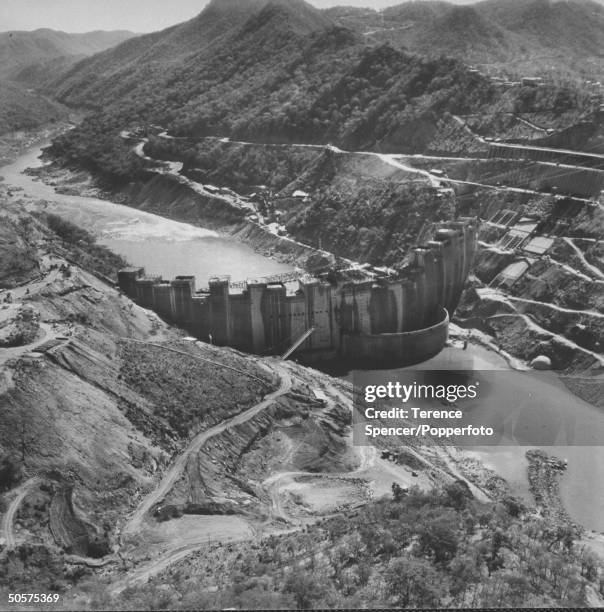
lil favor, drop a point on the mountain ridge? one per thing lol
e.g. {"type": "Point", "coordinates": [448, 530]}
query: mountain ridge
{"type": "Point", "coordinates": [22, 49]}
{"type": "Point", "coordinates": [22, 109]}
{"type": "Point", "coordinates": [281, 71]}
{"type": "Point", "coordinates": [508, 36]}
{"type": "Point", "coordinates": [31, 59]}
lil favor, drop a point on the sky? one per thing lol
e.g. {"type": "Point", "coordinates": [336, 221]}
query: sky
{"type": "Point", "coordinates": [134, 15]}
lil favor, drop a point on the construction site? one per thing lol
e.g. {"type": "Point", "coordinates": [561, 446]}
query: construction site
{"type": "Point", "coordinates": [392, 318]}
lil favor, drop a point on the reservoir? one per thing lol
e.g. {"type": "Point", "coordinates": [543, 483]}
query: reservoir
{"type": "Point", "coordinates": [582, 484]}
{"type": "Point", "coordinates": [164, 247]}
{"type": "Point", "coordinates": [170, 248]}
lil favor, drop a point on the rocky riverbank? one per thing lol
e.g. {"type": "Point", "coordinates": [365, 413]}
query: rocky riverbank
{"type": "Point", "coordinates": [14, 144]}
{"type": "Point", "coordinates": [163, 195]}
{"type": "Point", "coordinates": [544, 474]}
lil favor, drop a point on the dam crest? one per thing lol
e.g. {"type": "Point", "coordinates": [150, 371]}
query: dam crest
{"type": "Point", "coordinates": [397, 319]}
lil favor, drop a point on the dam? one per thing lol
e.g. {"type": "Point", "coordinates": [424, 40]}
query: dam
{"type": "Point", "coordinates": [400, 318]}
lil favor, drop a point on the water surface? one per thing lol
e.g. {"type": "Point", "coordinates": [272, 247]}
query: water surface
{"type": "Point", "coordinates": [164, 247]}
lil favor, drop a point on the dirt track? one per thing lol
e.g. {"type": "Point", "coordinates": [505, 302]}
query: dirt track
{"type": "Point", "coordinates": [9, 516]}
{"type": "Point", "coordinates": [185, 536]}
{"type": "Point", "coordinates": [183, 544]}
{"type": "Point", "coordinates": [175, 471]}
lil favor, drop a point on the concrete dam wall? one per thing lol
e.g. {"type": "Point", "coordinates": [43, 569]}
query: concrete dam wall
{"type": "Point", "coordinates": [400, 319]}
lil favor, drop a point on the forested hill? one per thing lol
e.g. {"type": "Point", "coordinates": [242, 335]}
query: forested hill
{"type": "Point", "coordinates": [21, 109]}
{"type": "Point", "coordinates": [272, 71]}
{"type": "Point", "coordinates": [264, 70]}
{"type": "Point", "coordinates": [224, 38]}
{"type": "Point", "coordinates": [32, 59]}
{"type": "Point", "coordinates": [563, 37]}
{"type": "Point", "coordinates": [27, 56]}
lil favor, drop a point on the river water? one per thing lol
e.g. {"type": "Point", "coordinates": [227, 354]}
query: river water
{"type": "Point", "coordinates": [162, 246]}
{"type": "Point", "coordinates": [170, 248]}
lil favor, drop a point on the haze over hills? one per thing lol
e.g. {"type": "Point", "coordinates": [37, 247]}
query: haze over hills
{"type": "Point", "coordinates": [31, 59]}
{"type": "Point", "coordinates": [23, 52]}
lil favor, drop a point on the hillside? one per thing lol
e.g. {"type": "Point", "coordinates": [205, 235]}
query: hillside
{"type": "Point", "coordinates": [31, 59]}
{"type": "Point", "coordinates": [192, 49]}
{"type": "Point", "coordinates": [29, 55]}
{"type": "Point", "coordinates": [512, 37]}
{"type": "Point", "coordinates": [125, 448]}
{"type": "Point", "coordinates": [97, 412]}
{"type": "Point", "coordinates": [438, 550]}
{"type": "Point", "coordinates": [282, 71]}
{"type": "Point", "coordinates": [25, 109]}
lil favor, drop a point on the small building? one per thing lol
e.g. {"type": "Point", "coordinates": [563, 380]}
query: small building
{"type": "Point", "coordinates": [508, 276]}
{"type": "Point", "coordinates": [514, 239]}
{"type": "Point", "coordinates": [539, 245]}
{"type": "Point", "coordinates": [320, 396]}
{"type": "Point", "coordinates": [532, 81]}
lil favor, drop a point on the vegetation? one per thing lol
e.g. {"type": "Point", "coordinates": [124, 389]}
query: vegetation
{"type": "Point", "coordinates": [239, 167]}
{"type": "Point", "coordinates": [505, 37]}
{"type": "Point", "coordinates": [422, 549]}
{"type": "Point", "coordinates": [83, 247]}
{"type": "Point", "coordinates": [34, 564]}
{"type": "Point", "coordinates": [98, 148]}
{"type": "Point", "coordinates": [282, 72]}
{"type": "Point", "coordinates": [26, 55]}
{"type": "Point", "coordinates": [10, 472]}
{"type": "Point", "coordinates": [374, 221]}
{"type": "Point", "coordinates": [21, 109]}
{"type": "Point", "coordinates": [155, 373]}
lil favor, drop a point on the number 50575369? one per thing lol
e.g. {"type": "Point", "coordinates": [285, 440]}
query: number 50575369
{"type": "Point", "coordinates": [33, 598]}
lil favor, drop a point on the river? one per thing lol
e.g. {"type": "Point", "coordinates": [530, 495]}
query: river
{"type": "Point", "coordinates": [170, 248]}
{"type": "Point", "coordinates": [162, 246]}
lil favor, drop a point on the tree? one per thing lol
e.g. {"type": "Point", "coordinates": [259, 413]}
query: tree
{"type": "Point", "coordinates": [10, 472]}
{"type": "Point", "coordinates": [439, 539]}
{"type": "Point", "coordinates": [413, 583]}
{"type": "Point", "coordinates": [398, 492]}
{"type": "Point", "coordinates": [458, 493]}
{"type": "Point", "coordinates": [305, 586]}
{"type": "Point", "coordinates": [465, 570]}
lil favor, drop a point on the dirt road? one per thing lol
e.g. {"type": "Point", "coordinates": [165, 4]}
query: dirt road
{"type": "Point", "coordinates": [184, 538]}
{"type": "Point", "coordinates": [184, 544]}
{"type": "Point", "coordinates": [595, 271]}
{"type": "Point", "coordinates": [175, 471]}
{"type": "Point", "coordinates": [9, 516]}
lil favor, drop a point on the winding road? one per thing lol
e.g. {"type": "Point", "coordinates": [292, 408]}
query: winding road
{"type": "Point", "coordinates": [9, 516]}
{"type": "Point", "coordinates": [531, 324]}
{"type": "Point", "coordinates": [183, 549]}
{"type": "Point", "coordinates": [173, 474]}
{"type": "Point", "coordinates": [595, 271]}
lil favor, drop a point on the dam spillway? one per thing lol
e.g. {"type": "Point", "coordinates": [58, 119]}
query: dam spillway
{"type": "Point", "coordinates": [397, 319]}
